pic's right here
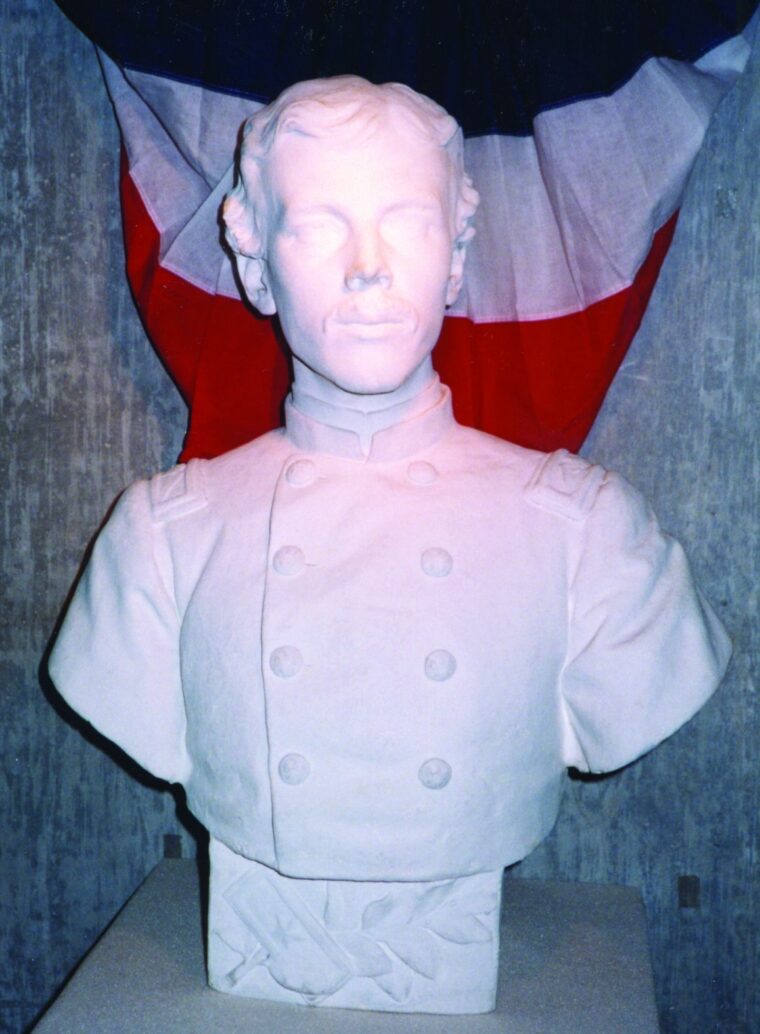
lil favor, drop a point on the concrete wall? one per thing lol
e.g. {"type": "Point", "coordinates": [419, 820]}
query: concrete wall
{"type": "Point", "coordinates": [86, 408]}
{"type": "Point", "coordinates": [682, 422]}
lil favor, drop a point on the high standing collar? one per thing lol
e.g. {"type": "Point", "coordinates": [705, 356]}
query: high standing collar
{"type": "Point", "coordinates": [388, 444]}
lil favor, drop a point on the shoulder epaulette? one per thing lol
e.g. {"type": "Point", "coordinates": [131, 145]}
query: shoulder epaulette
{"type": "Point", "coordinates": [565, 484]}
{"type": "Point", "coordinates": [177, 493]}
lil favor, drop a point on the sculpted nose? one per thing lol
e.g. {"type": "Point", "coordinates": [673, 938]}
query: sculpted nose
{"type": "Point", "coordinates": [368, 264]}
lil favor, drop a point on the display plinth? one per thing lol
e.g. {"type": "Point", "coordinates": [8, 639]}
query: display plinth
{"type": "Point", "coordinates": [574, 957]}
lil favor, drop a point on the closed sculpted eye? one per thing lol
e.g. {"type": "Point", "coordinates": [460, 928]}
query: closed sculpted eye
{"type": "Point", "coordinates": [410, 223]}
{"type": "Point", "coordinates": [321, 231]}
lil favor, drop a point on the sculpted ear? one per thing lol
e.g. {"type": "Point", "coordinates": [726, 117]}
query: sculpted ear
{"type": "Point", "coordinates": [466, 207]}
{"type": "Point", "coordinates": [253, 275]}
{"type": "Point", "coordinates": [456, 274]}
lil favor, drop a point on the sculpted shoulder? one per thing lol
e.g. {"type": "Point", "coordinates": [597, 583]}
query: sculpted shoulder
{"type": "Point", "coordinates": [236, 477]}
{"type": "Point", "coordinates": [478, 449]}
{"type": "Point", "coordinates": [565, 484]}
{"type": "Point", "coordinates": [558, 482]}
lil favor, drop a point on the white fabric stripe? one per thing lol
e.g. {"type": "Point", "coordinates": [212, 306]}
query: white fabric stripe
{"type": "Point", "coordinates": [567, 216]}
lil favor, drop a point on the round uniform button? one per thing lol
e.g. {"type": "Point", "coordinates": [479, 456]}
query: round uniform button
{"type": "Point", "coordinates": [293, 769]}
{"type": "Point", "coordinates": [436, 562]}
{"type": "Point", "coordinates": [440, 665]}
{"type": "Point", "coordinates": [286, 661]}
{"type": "Point", "coordinates": [434, 773]}
{"type": "Point", "coordinates": [288, 560]}
{"type": "Point", "coordinates": [421, 472]}
{"type": "Point", "coordinates": [300, 472]}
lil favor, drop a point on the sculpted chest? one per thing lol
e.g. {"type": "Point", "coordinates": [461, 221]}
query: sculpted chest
{"type": "Point", "coordinates": [357, 668]}
{"type": "Point", "coordinates": [378, 621]}
{"type": "Point", "coordinates": [397, 587]}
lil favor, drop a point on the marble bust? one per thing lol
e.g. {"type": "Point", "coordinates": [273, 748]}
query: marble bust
{"type": "Point", "coordinates": [370, 643]}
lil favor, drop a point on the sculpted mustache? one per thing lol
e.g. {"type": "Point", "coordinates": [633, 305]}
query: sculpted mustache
{"type": "Point", "coordinates": [390, 311]}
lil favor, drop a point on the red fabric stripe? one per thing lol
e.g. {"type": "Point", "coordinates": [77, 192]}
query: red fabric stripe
{"type": "Point", "coordinates": [541, 383]}
{"type": "Point", "coordinates": [538, 383]}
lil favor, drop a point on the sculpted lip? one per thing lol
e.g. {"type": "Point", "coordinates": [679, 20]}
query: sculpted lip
{"type": "Point", "coordinates": [389, 316]}
{"type": "Point", "coordinates": [370, 321]}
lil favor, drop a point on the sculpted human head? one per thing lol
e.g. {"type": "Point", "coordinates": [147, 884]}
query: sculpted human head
{"type": "Point", "coordinates": [350, 218]}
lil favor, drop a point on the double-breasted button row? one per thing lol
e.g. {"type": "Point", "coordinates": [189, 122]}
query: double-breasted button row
{"type": "Point", "coordinates": [435, 562]}
{"type": "Point", "coordinates": [287, 661]}
{"type": "Point", "coordinates": [294, 769]}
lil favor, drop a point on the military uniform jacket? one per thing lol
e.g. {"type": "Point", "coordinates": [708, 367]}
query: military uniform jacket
{"type": "Point", "coordinates": [379, 667]}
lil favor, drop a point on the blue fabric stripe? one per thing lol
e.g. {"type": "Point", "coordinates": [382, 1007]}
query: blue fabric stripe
{"type": "Point", "coordinates": [494, 64]}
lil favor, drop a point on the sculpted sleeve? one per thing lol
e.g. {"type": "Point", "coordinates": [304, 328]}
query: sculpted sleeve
{"type": "Point", "coordinates": [645, 650]}
{"type": "Point", "coordinates": [116, 659]}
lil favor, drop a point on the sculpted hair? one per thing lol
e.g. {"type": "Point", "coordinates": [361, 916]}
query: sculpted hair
{"type": "Point", "coordinates": [344, 104]}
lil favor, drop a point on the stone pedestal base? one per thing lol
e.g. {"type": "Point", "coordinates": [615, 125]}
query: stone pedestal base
{"type": "Point", "coordinates": [390, 947]}
{"type": "Point", "coordinates": [574, 957]}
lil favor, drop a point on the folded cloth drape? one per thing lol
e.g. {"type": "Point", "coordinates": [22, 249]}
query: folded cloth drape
{"type": "Point", "coordinates": [582, 125]}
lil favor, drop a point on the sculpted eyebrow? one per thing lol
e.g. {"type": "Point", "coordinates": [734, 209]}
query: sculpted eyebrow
{"type": "Point", "coordinates": [315, 209]}
{"type": "Point", "coordinates": [413, 206]}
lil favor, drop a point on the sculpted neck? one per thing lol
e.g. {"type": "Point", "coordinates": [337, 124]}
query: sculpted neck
{"type": "Point", "coordinates": [322, 400]}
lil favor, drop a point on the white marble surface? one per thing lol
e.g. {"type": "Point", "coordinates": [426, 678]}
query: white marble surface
{"type": "Point", "coordinates": [362, 719]}
{"type": "Point", "coordinates": [574, 958]}
{"type": "Point", "coordinates": [284, 630]}
{"type": "Point", "coordinates": [430, 946]}
{"type": "Point", "coordinates": [681, 423]}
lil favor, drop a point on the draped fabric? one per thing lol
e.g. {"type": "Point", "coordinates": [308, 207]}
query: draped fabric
{"type": "Point", "coordinates": [581, 121]}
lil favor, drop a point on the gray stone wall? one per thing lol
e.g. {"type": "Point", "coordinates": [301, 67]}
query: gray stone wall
{"type": "Point", "coordinates": [682, 422]}
{"type": "Point", "coordinates": [86, 408]}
